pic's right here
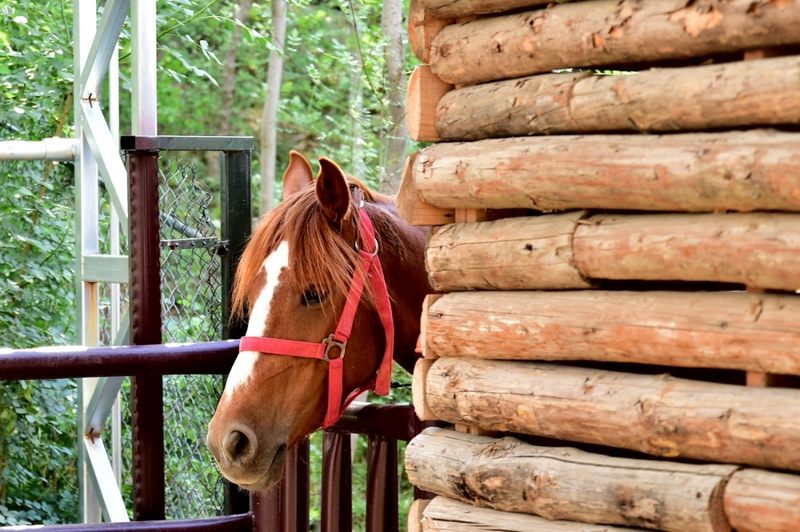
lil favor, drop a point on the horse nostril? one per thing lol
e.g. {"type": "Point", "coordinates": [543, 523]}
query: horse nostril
{"type": "Point", "coordinates": [239, 446]}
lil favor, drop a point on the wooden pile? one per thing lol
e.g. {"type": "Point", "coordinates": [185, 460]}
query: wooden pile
{"type": "Point", "coordinates": [620, 295]}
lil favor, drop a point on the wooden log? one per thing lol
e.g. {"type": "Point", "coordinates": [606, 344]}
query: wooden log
{"type": "Point", "coordinates": [429, 300]}
{"type": "Point", "coordinates": [562, 251]}
{"type": "Point", "coordinates": [566, 483]}
{"type": "Point", "coordinates": [608, 32]}
{"type": "Point", "coordinates": [423, 26]}
{"type": "Point", "coordinates": [414, 209]}
{"type": "Point", "coordinates": [654, 414]}
{"type": "Point", "coordinates": [744, 93]}
{"type": "Point", "coordinates": [421, 368]}
{"type": "Point", "coordinates": [508, 254]}
{"type": "Point", "coordinates": [415, 514]}
{"type": "Point", "coordinates": [755, 249]}
{"type": "Point", "coordinates": [739, 171]}
{"type": "Point", "coordinates": [757, 332]}
{"type": "Point", "coordinates": [445, 515]}
{"type": "Point", "coordinates": [763, 501]}
{"type": "Point", "coordinates": [453, 9]}
{"type": "Point", "coordinates": [424, 93]}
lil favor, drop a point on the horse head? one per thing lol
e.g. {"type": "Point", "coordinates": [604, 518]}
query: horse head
{"type": "Point", "coordinates": [297, 278]}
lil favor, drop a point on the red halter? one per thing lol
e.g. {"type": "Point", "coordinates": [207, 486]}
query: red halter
{"type": "Point", "coordinates": [371, 265]}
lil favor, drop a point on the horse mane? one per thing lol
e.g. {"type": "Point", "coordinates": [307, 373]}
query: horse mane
{"type": "Point", "coordinates": [320, 255]}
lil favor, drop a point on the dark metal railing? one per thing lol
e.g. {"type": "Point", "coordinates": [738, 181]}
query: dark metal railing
{"type": "Point", "coordinates": [283, 508]}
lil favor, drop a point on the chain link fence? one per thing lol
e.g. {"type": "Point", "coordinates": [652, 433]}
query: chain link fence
{"type": "Point", "coordinates": [191, 302]}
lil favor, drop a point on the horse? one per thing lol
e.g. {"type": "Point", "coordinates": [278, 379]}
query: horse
{"type": "Point", "coordinates": [333, 280]}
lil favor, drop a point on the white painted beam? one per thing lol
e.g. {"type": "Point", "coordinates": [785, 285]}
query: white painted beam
{"type": "Point", "coordinates": [105, 393]}
{"type": "Point", "coordinates": [105, 41]}
{"type": "Point", "coordinates": [105, 268]}
{"type": "Point", "coordinates": [104, 481]}
{"type": "Point", "coordinates": [143, 62]}
{"type": "Point", "coordinates": [52, 149]}
{"type": "Point", "coordinates": [109, 161]}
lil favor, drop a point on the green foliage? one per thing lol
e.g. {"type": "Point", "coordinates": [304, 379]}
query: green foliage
{"type": "Point", "coordinates": [37, 423]}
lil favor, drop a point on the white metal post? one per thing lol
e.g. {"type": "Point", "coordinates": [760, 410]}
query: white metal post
{"type": "Point", "coordinates": [116, 299]}
{"type": "Point", "coordinates": [143, 43]}
{"type": "Point", "coordinates": [86, 194]}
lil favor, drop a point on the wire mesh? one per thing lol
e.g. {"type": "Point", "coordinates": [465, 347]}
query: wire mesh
{"type": "Point", "coordinates": [191, 289]}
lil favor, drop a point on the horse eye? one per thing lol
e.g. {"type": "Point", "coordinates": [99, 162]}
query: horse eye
{"type": "Point", "coordinates": [312, 297]}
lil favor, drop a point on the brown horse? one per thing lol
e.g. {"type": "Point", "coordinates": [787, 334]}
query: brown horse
{"type": "Point", "coordinates": [295, 277]}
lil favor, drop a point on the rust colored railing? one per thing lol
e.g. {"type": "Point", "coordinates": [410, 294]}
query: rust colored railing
{"type": "Point", "coordinates": [285, 508]}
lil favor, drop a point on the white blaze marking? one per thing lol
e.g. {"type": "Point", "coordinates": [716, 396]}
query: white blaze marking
{"type": "Point", "coordinates": [242, 368]}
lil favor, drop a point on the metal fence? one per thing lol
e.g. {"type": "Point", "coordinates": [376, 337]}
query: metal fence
{"type": "Point", "coordinates": [191, 303]}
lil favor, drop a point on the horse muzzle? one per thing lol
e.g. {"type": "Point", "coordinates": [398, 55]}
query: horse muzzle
{"type": "Point", "coordinates": [244, 459]}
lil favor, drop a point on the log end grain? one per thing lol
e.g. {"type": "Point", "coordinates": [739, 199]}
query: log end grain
{"type": "Point", "coordinates": [425, 90]}
{"type": "Point", "coordinates": [763, 501]}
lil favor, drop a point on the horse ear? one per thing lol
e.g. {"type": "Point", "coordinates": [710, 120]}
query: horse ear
{"type": "Point", "coordinates": [298, 174]}
{"type": "Point", "coordinates": [333, 193]}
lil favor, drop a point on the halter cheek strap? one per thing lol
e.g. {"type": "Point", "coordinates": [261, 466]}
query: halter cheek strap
{"type": "Point", "coordinates": [332, 349]}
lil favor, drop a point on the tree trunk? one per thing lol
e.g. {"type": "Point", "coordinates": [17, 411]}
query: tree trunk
{"type": "Point", "coordinates": [763, 501]}
{"type": "Point", "coordinates": [654, 414]}
{"type": "Point", "coordinates": [562, 251]}
{"type": "Point", "coordinates": [566, 483]}
{"type": "Point", "coordinates": [242, 16]}
{"type": "Point", "coordinates": [356, 98]}
{"type": "Point", "coordinates": [394, 56]}
{"type": "Point", "coordinates": [756, 332]}
{"type": "Point", "coordinates": [738, 171]}
{"type": "Point", "coordinates": [608, 32]}
{"type": "Point", "coordinates": [269, 116]}
{"type": "Point", "coordinates": [744, 93]}
{"type": "Point", "coordinates": [447, 515]}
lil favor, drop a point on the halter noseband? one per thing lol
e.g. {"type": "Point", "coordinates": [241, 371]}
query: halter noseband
{"type": "Point", "coordinates": [333, 347]}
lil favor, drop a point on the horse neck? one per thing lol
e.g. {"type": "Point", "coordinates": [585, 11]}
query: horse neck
{"type": "Point", "coordinates": [407, 281]}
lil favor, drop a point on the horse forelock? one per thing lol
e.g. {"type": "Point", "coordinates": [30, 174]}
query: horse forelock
{"type": "Point", "coordinates": [319, 255]}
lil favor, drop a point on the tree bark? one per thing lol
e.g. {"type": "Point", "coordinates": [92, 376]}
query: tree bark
{"type": "Point", "coordinates": [566, 483]}
{"type": "Point", "coordinates": [241, 16]}
{"type": "Point", "coordinates": [744, 93]}
{"type": "Point", "coordinates": [608, 32]}
{"type": "Point", "coordinates": [653, 414]}
{"type": "Point", "coordinates": [562, 251]}
{"type": "Point", "coordinates": [739, 171]}
{"type": "Point", "coordinates": [448, 515]}
{"type": "Point", "coordinates": [763, 501]}
{"type": "Point", "coordinates": [269, 115]}
{"type": "Point", "coordinates": [394, 56]}
{"type": "Point", "coordinates": [748, 331]}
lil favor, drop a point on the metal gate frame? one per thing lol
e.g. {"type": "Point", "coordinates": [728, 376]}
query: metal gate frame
{"type": "Point", "coordinates": [145, 288]}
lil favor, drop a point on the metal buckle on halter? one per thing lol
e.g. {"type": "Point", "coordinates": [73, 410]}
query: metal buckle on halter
{"type": "Point", "coordinates": [358, 247]}
{"type": "Point", "coordinates": [331, 342]}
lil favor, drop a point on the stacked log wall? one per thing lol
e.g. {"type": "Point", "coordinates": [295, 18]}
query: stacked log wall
{"type": "Point", "coordinates": [614, 197]}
